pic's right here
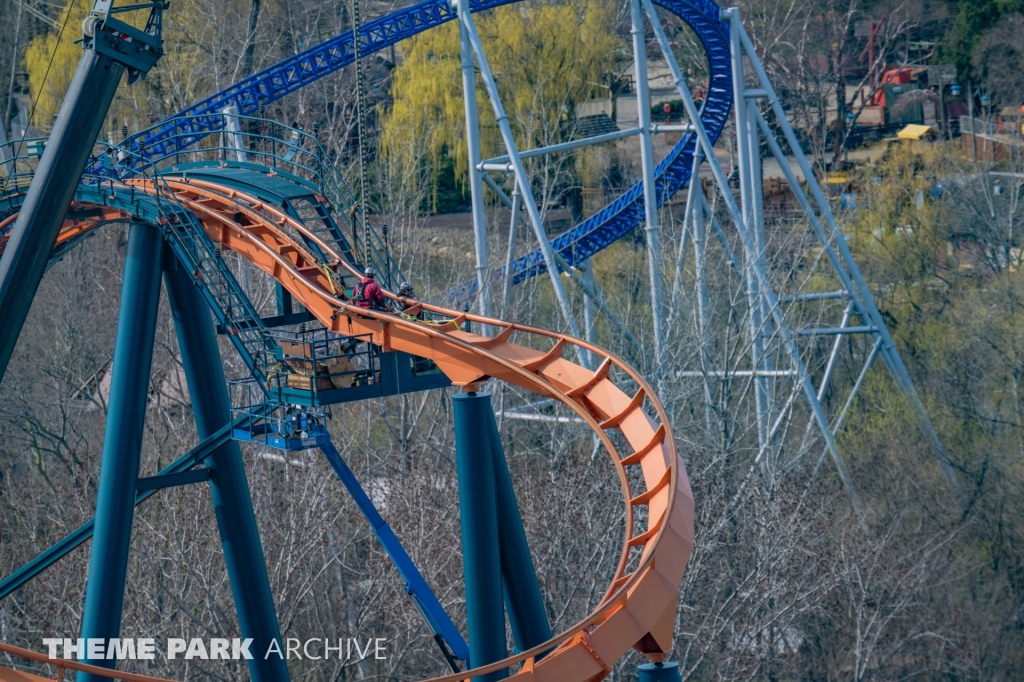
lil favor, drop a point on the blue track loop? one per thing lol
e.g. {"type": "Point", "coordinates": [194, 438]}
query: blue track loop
{"type": "Point", "coordinates": [579, 243]}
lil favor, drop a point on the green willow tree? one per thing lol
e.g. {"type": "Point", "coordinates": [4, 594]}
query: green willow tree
{"type": "Point", "coordinates": [546, 60]}
{"type": "Point", "coordinates": [189, 70]}
{"type": "Point", "coordinates": [50, 61]}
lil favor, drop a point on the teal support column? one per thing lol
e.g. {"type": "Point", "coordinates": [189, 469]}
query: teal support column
{"type": "Point", "coordinates": [481, 554]}
{"type": "Point", "coordinates": [229, 487]}
{"type": "Point", "coordinates": [284, 300]}
{"type": "Point", "coordinates": [659, 672]}
{"type": "Point", "coordinates": [53, 185]}
{"type": "Point", "coordinates": [523, 600]}
{"type": "Point", "coordinates": [122, 440]}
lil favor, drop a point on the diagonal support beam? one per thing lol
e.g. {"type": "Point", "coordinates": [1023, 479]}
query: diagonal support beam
{"type": "Point", "coordinates": [193, 458]}
{"type": "Point", "coordinates": [757, 266]}
{"type": "Point", "coordinates": [173, 480]}
{"type": "Point", "coordinates": [117, 49]}
{"type": "Point", "coordinates": [580, 280]}
{"type": "Point", "coordinates": [229, 486]}
{"type": "Point", "coordinates": [525, 605]}
{"type": "Point", "coordinates": [476, 187]}
{"type": "Point", "coordinates": [53, 184]}
{"type": "Point", "coordinates": [465, 18]}
{"type": "Point", "coordinates": [415, 584]}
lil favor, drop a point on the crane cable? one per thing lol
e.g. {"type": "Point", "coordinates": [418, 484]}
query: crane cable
{"type": "Point", "coordinates": [46, 75]}
{"type": "Point", "coordinates": [357, 50]}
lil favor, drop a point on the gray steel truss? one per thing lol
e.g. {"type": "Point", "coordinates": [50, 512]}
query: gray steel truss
{"type": "Point", "coordinates": [775, 358]}
{"type": "Point", "coordinates": [778, 371]}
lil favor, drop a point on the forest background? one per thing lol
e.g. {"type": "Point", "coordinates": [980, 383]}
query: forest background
{"type": "Point", "coordinates": [786, 580]}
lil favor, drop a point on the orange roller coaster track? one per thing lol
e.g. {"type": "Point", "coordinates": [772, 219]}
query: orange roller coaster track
{"type": "Point", "coordinates": [639, 607]}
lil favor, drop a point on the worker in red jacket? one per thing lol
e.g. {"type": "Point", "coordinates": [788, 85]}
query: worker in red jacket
{"type": "Point", "coordinates": [368, 294]}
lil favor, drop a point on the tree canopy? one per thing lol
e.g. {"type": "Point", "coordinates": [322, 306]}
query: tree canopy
{"type": "Point", "coordinates": [546, 59]}
{"type": "Point", "coordinates": [974, 18]}
{"type": "Point", "coordinates": [188, 71]}
{"type": "Point", "coordinates": [50, 61]}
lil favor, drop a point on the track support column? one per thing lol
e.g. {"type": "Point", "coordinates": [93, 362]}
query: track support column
{"type": "Point", "coordinates": [35, 231]}
{"type": "Point", "coordinates": [229, 488]}
{"type": "Point", "coordinates": [523, 600]}
{"type": "Point", "coordinates": [122, 440]}
{"type": "Point", "coordinates": [659, 672]}
{"type": "Point", "coordinates": [478, 513]}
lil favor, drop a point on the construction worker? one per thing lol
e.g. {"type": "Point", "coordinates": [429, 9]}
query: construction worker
{"type": "Point", "coordinates": [405, 290]}
{"type": "Point", "coordinates": [368, 294]}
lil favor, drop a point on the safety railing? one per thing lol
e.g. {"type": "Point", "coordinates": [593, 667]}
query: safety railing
{"type": "Point", "coordinates": [267, 144]}
{"type": "Point", "coordinates": [21, 156]}
{"type": "Point", "coordinates": [133, 185]}
{"type": "Point", "coordinates": [317, 360]}
{"type": "Point", "coordinates": [247, 141]}
{"type": "Point", "coordinates": [194, 247]}
{"type": "Point", "coordinates": [279, 425]}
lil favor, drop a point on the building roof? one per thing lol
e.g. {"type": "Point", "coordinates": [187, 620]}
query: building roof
{"type": "Point", "coordinates": [1010, 113]}
{"type": "Point", "coordinates": [915, 132]}
{"type": "Point", "coordinates": [589, 126]}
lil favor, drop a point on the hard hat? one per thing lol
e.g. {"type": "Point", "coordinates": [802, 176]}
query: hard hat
{"type": "Point", "coordinates": [370, 272]}
{"type": "Point", "coordinates": [405, 286]}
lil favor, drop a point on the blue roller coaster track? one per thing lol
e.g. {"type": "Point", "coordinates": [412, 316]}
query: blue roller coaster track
{"type": "Point", "coordinates": [577, 244]}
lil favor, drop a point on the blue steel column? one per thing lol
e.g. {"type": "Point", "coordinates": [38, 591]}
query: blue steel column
{"type": "Point", "coordinates": [284, 300]}
{"type": "Point", "coordinates": [526, 613]}
{"type": "Point", "coordinates": [481, 555]}
{"type": "Point", "coordinates": [659, 672]}
{"type": "Point", "coordinates": [229, 488]}
{"type": "Point", "coordinates": [122, 440]}
{"type": "Point", "coordinates": [35, 231]}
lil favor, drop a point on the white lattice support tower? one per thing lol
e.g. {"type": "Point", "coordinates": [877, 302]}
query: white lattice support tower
{"type": "Point", "coordinates": [771, 339]}
{"type": "Point", "coordinates": [468, 33]}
